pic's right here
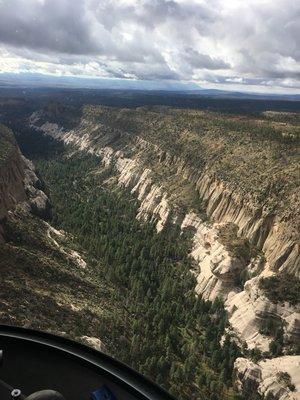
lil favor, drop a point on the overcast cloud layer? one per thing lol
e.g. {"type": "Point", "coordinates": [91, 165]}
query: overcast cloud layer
{"type": "Point", "coordinates": [251, 44]}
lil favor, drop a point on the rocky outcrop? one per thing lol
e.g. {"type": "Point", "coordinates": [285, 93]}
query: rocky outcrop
{"type": "Point", "coordinates": [249, 310]}
{"type": "Point", "coordinates": [266, 231]}
{"type": "Point", "coordinates": [276, 379]}
{"type": "Point", "coordinates": [19, 184]}
{"type": "Point", "coordinates": [217, 269]}
{"type": "Point", "coordinates": [94, 342]}
{"type": "Point", "coordinates": [58, 238]}
{"type": "Point", "coordinates": [37, 201]}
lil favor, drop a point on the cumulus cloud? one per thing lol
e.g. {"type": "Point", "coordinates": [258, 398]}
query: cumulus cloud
{"type": "Point", "coordinates": [57, 26]}
{"type": "Point", "coordinates": [246, 42]}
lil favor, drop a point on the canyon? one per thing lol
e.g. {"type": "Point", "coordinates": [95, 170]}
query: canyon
{"type": "Point", "coordinates": [172, 191]}
{"type": "Point", "coordinates": [217, 269]}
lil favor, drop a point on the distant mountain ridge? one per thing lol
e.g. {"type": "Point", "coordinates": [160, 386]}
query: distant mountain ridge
{"type": "Point", "coordinates": [31, 80]}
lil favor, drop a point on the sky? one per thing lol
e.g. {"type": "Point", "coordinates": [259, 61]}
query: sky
{"type": "Point", "coordinates": [248, 45]}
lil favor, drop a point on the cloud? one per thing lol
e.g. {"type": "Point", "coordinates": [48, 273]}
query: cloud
{"type": "Point", "coordinates": [197, 60]}
{"type": "Point", "coordinates": [52, 25]}
{"type": "Point", "coordinates": [244, 42]}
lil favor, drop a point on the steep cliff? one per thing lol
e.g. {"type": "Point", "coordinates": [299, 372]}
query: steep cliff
{"type": "Point", "coordinates": [12, 173]}
{"type": "Point", "coordinates": [18, 181]}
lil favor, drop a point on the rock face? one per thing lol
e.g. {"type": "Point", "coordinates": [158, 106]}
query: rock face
{"type": "Point", "coordinates": [217, 268]}
{"type": "Point", "coordinates": [36, 199]}
{"type": "Point", "coordinates": [12, 175]}
{"type": "Point", "coordinates": [250, 309]}
{"type": "Point", "coordinates": [264, 230]}
{"type": "Point", "coordinates": [19, 184]}
{"type": "Point", "coordinates": [276, 379]}
{"type": "Point", "coordinates": [93, 342]}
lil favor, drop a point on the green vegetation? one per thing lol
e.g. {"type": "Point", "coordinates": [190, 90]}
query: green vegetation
{"type": "Point", "coordinates": [282, 287]}
{"type": "Point", "coordinates": [279, 288]}
{"type": "Point", "coordinates": [283, 117]}
{"type": "Point", "coordinates": [254, 354]}
{"type": "Point", "coordinates": [285, 378]}
{"type": "Point", "coordinates": [238, 246]}
{"type": "Point", "coordinates": [273, 326]}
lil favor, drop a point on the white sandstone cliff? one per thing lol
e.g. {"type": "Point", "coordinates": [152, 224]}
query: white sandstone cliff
{"type": "Point", "coordinates": [277, 379]}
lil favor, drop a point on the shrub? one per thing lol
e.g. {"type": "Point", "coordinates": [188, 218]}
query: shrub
{"type": "Point", "coordinates": [282, 287]}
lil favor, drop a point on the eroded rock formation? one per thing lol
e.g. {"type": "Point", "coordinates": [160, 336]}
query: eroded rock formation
{"type": "Point", "coordinates": [276, 379]}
